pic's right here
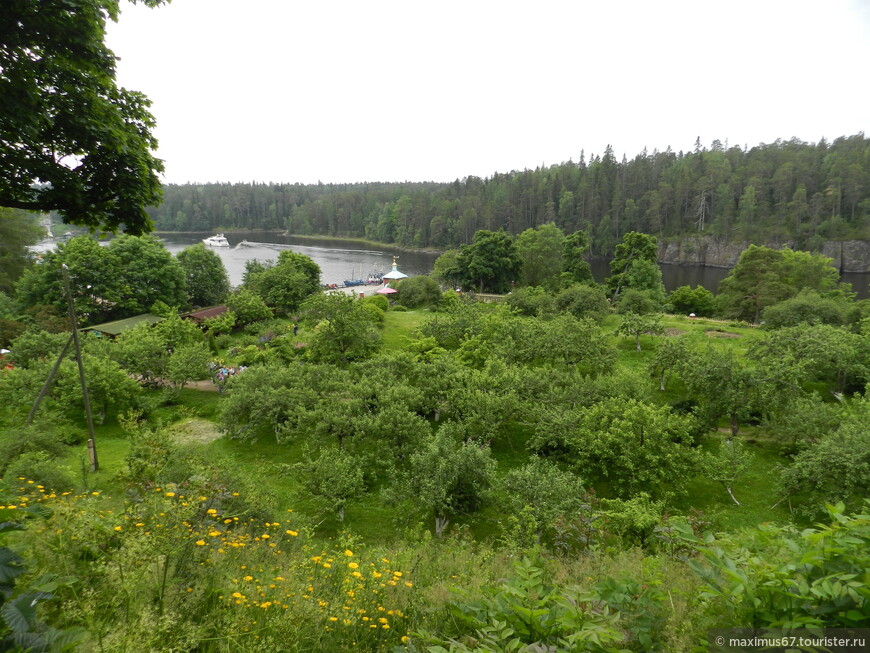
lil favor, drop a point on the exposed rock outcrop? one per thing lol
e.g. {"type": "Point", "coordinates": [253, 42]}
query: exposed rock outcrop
{"type": "Point", "coordinates": [848, 255]}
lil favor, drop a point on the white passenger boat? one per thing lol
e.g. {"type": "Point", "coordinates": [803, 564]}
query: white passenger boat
{"type": "Point", "coordinates": [218, 240]}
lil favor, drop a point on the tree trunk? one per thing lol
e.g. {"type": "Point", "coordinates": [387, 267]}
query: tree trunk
{"type": "Point", "coordinates": [731, 494]}
{"type": "Point", "coordinates": [440, 525]}
{"type": "Point", "coordinates": [662, 382]}
{"type": "Point", "coordinates": [735, 426]}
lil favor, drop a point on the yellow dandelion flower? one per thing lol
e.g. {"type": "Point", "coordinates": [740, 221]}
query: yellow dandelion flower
{"type": "Point", "coordinates": [211, 511]}
{"type": "Point", "coordinates": [249, 578]}
{"type": "Point", "coordinates": [238, 595]}
{"type": "Point", "coordinates": [348, 553]}
{"type": "Point", "coordinates": [170, 494]}
{"type": "Point", "coordinates": [404, 639]}
{"type": "Point", "coordinates": [382, 620]}
{"type": "Point", "coordinates": [200, 542]}
{"type": "Point", "coordinates": [265, 536]}
{"type": "Point", "coordinates": [96, 494]}
{"type": "Point", "coordinates": [326, 565]}
{"type": "Point", "coordinates": [397, 574]}
{"type": "Point", "coordinates": [409, 583]}
{"type": "Point", "coordinates": [353, 565]}
{"type": "Point", "coordinates": [119, 528]}
{"type": "Point", "coordinates": [292, 533]}
{"type": "Point", "coordinates": [385, 626]}
{"type": "Point", "coordinates": [333, 618]}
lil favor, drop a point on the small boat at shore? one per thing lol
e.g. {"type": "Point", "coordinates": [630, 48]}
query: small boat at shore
{"type": "Point", "coordinates": [218, 240]}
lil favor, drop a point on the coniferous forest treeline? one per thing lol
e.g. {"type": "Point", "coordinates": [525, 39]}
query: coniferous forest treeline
{"type": "Point", "coordinates": [786, 191]}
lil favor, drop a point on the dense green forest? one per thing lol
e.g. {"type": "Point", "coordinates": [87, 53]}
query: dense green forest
{"type": "Point", "coordinates": [786, 191]}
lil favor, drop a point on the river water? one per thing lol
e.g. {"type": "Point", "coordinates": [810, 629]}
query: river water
{"type": "Point", "coordinates": [338, 260]}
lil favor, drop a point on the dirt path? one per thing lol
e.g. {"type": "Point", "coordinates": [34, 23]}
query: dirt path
{"type": "Point", "coordinates": [207, 385]}
{"type": "Point", "coordinates": [195, 431]}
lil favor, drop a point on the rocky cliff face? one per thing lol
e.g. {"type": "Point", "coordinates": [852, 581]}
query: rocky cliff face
{"type": "Point", "coordinates": [848, 255]}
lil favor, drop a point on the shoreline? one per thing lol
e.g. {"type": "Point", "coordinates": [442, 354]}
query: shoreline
{"type": "Point", "coordinates": [344, 239]}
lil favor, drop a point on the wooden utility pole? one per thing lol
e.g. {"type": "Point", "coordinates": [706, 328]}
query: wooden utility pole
{"type": "Point", "coordinates": [92, 445]}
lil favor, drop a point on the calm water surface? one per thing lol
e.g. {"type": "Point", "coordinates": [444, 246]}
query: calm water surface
{"type": "Point", "coordinates": [338, 260]}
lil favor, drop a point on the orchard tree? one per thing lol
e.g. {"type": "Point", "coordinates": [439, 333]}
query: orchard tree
{"type": "Point", "coordinates": [110, 388]}
{"type": "Point", "coordinates": [570, 342]}
{"type": "Point", "coordinates": [543, 491]}
{"type": "Point", "coordinates": [822, 352]}
{"type": "Point", "coordinates": [669, 355]}
{"type": "Point", "coordinates": [728, 464]}
{"type": "Point", "coordinates": [73, 141]}
{"type": "Point", "coordinates": [141, 351]}
{"type": "Point", "coordinates": [724, 386]}
{"type": "Point", "coordinates": [632, 445]}
{"type": "Point", "coordinates": [639, 302]}
{"type": "Point", "coordinates": [206, 278]}
{"type": "Point", "coordinates": [837, 468]}
{"type": "Point", "coordinates": [333, 478]}
{"type": "Point", "coordinates": [490, 263]}
{"type": "Point", "coordinates": [342, 328]}
{"type": "Point", "coordinates": [187, 363]}
{"type": "Point", "coordinates": [449, 475]}
{"type": "Point", "coordinates": [636, 325]}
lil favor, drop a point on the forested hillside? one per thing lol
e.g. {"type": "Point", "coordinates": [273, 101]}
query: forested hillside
{"type": "Point", "coordinates": [786, 191]}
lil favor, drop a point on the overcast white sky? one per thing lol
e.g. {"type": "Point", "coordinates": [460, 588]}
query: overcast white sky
{"type": "Point", "coordinates": [341, 91]}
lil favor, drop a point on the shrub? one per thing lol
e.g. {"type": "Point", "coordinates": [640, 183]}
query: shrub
{"type": "Point", "coordinates": [375, 312]}
{"type": "Point", "coordinates": [44, 436]}
{"type": "Point", "coordinates": [636, 301]}
{"type": "Point", "coordinates": [582, 300]}
{"type": "Point", "coordinates": [378, 300]}
{"type": "Point", "coordinates": [415, 292]}
{"type": "Point", "coordinates": [698, 300]}
{"type": "Point", "coordinates": [42, 469]}
{"type": "Point", "coordinates": [808, 307]}
{"type": "Point", "coordinates": [531, 301]}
